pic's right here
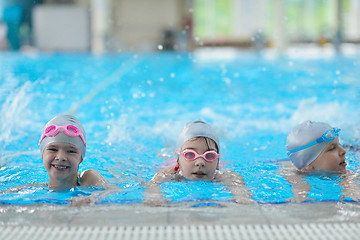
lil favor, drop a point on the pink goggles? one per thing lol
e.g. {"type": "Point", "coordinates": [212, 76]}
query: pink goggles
{"type": "Point", "coordinates": [191, 155]}
{"type": "Point", "coordinates": [69, 130]}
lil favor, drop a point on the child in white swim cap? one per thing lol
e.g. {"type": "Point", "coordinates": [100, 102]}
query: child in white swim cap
{"type": "Point", "coordinates": [63, 147]}
{"type": "Point", "coordinates": [314, 148]}
{"type": "Point", "coordinates": [198, 152]}
{"type": "Point", "coordinates": [198, 156]}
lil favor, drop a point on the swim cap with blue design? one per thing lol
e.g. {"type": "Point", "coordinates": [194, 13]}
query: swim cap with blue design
{"type": "Point", "coordinates": [303, 134]}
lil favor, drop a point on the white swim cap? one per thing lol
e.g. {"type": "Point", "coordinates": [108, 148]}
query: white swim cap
{"type": "Point", "coordinates": [303, 134]}
{"type": "Point", "coordinates": [194, 129]}
{"type": "Point", "coordinates": [63, 120]}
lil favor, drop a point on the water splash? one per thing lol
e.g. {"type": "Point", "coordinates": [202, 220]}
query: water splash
{"type": "Point", "coordinates": [15, 113]}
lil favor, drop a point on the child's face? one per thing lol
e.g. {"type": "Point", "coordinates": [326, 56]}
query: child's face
{"type": "Point", "coordinates": [332, 158]}
{"type": "Point", "coordinates": [61, 161]}
{"type": "Point", "coordinates": [198, 169]}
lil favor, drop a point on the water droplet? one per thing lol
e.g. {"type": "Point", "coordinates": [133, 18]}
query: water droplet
{"type": "Point", "coordinates": [227, 81]}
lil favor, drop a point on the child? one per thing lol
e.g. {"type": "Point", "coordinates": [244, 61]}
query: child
{"type": "Point", "coordinates": [197, 160]}
{"type": "Point", "coordinates": [314, 148]}
{"type": "Point", "coordinates": [63, 147]}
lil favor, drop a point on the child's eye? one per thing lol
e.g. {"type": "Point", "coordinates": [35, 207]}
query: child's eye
{"type": "Point", "coordinates": [332, 147]}
{"type": "Point", "coordinates": [72, 151]}
{"type": "Point", "coordinates": [52, 149]}
{"type": "Point", "coordinates": [189, 155]}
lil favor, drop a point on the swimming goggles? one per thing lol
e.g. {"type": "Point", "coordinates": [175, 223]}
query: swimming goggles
{"type": "Point", "coordinates": [69, 130]}
{"type": "Point", "coordinates": [328, 136]}
{"type": "Point", "coordinates": [191, 155]}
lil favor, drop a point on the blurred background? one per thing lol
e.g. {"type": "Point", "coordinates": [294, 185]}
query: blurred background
{"type": "Point", "coordinates": [102, 26]}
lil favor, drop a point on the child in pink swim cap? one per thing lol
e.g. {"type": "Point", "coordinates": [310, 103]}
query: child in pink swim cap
{"type": "Point", "coordinates": [198, 156]}
{"type": "Point", "coordinates": [314, 148]}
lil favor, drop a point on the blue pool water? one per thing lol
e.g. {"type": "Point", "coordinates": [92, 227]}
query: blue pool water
{"type": "Point", "coordinates": [133, 106]}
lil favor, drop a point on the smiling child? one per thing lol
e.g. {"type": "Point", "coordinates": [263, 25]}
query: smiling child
{"type": "Point", "coordinates": [63, 147]}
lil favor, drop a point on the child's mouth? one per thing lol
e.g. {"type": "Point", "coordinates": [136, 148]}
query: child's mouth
{"type": "Point", "coordinates": [60, 167]}
{"type": "Point", "coordinates": [344, 164]}
{"type": "Point", "coordinates": [199, 174]}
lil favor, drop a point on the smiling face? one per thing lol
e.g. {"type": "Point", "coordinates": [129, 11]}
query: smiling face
{"type": "Point", "coordinates": [198, 169]}
{"type": "Point", "coordinates": [61, 161]}
{"type": "Point", "coordinates": [331, 159]}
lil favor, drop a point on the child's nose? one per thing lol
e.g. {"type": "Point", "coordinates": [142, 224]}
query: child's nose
{"type": "Point", "coordinates": [61, 155]}
{"type": "Point", "coordinates": [342, 151]}
{"type": "Point", "coordinates": [200, 162]}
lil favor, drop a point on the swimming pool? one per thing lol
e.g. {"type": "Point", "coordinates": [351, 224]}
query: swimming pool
{"type": "Point", "coordinates": [134, 105]}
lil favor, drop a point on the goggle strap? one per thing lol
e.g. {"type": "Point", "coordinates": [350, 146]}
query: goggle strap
{"type": "Point", "coordinates": [319, 140]}
{"type": "Point", "coordinates": [302, 147]}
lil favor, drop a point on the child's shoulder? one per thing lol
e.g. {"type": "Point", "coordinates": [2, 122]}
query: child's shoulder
{"type": "Point", "coordinates": [91, 177]}
{"type": "Point", "coordinates": [164, 175]}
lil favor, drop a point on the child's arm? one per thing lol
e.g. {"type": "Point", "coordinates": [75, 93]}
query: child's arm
{"type": "Point", "coordinates": [300, 187]}
{"type": "Point", "coordinates": [234, 182]}
{"type": "Point", "coordinates": [350, 184]}
{"type": "Point", "coordinates": [92, 177]}
{"type": "Point", "coordinates": [22, 187]}
{"type": "Point", "coordinates": [152, 193]}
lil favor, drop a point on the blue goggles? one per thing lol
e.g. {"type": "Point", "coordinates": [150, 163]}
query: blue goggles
{"type": "Point", "coordinates": [328, 136]}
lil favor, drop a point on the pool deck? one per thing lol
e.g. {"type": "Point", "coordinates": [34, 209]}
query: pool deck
{"type": "Point", "coordinates": [264, 221]}
{"type": "Point", "coordinates": [135, 215]}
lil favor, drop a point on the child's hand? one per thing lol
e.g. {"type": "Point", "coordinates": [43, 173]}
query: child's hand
{"type": "Point", "coordinates": [82, 201]}
{"type": "Point", "coordinates": [155, 200]}
{"type": "Point", "coordinates": [244, 200]}
{"type": "Point", "coordinates": [351, 187]}
{"type": "Point", "coordinates": [299, 199]}
{"type": "Point", "coordinates": [152, 195]}
{"type": "Point", "coordinates": [349, 193]}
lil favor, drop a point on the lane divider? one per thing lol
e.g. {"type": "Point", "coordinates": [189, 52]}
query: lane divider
{"type": "Point", "coordinates": [114, 77]}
